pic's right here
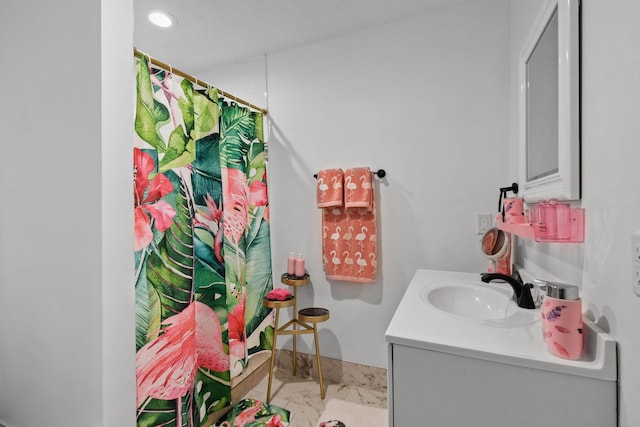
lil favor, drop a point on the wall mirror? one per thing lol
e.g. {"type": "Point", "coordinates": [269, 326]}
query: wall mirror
{"type": "Point", "coordinates": [549, 105]}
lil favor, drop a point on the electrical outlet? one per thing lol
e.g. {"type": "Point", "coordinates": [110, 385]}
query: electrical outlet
{"type": "Point", "coordinates": [635, 262]}
{"type": "Point", "coordinates": [484, 222]}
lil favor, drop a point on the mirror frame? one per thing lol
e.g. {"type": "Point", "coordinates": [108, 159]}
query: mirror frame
{"type": "Point", "coordinates": [564, 184]}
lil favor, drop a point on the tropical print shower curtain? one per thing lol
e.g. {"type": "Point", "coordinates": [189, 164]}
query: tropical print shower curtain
{"type": "Point", "coordinates": [202, 247]}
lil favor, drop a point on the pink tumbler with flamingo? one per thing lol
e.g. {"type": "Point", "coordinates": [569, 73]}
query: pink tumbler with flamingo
{"type": "Point", "coordinates": [562, 325]}
{"type": "Point", "coordinates": [513, 211]}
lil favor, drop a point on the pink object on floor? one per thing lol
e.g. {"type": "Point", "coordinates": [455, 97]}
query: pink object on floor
{"type": "Point", "coordinates": [358, 188]}
{"type": "Point", "coordinates": [279, 294]}
{"type": "Point", "coordinates": [329, 188]}
{"type": "Point", "coordinates": [349, 244]}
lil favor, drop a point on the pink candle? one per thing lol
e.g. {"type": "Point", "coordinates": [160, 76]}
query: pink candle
{"type": "Point", "coordinates": [299, 266]}
{"type": "Point", "coordinates": [291, 264]}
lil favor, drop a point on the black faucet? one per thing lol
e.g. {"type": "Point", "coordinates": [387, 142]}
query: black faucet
{"type": "Point", "coordinates": [521, 291]}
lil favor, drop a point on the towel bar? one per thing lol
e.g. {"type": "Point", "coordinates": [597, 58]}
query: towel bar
{"type": "Point", "coordinates": [380, 173]}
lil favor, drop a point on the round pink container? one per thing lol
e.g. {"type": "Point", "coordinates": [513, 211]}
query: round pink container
{"type": "Point", "coordinates": [562, 325]}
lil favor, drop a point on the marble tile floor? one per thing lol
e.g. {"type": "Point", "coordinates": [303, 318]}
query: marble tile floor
{"type": "Point", "coordinates": [301, 395]}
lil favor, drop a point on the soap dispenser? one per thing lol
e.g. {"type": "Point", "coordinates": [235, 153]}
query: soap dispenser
{"type": "Point", "coordinates": [291, 264]}
{"type": "Point", "coordinates": [562, 324]}
{"type": "Point", "coordinates": [299, 266]}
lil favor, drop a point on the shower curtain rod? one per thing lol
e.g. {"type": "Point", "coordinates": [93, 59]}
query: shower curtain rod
{"type": "Point", "coordinates": [154, 61]}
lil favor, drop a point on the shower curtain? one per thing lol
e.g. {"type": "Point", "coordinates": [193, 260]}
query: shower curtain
{"type": "Point", "coordinates": [202, 247]}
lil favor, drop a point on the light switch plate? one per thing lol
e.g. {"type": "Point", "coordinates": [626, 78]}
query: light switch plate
{"type": "Point", "coordinates": [484, 223]}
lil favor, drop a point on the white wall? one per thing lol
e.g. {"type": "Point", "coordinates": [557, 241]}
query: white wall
{"type": "Point", "coordinates": [118, 294]}
{"type": "Point", "coordinates": [66, 308]}
{"type": "Point", "coordinates": [427, 100]}
{"type": "Point", "coordinates": [610, 179]}
{"type": "Point", "coordinates": [246, 79]}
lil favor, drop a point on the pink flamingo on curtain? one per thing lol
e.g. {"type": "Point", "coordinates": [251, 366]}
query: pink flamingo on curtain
{"type": "Point", "coordinates": [166, 367]}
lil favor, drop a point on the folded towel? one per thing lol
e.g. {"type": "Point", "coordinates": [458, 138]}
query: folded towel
{"type": "Point", "coordinates": [358, 191]}
{"type": "Point", "coordinates": [279, 294]}
{"type": "Point", "coordinates": [329, 189]}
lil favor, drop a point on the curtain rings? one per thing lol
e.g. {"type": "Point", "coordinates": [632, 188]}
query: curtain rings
{"type": "Point", "coordinates": [149, 62]}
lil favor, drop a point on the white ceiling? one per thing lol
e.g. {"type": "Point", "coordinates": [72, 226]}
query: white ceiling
{"type": "Point", "coordinates": [213, 33]}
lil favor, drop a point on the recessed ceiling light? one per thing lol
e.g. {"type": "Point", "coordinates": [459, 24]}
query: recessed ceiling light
{"type": "Point", "coordinates": [162, 19]}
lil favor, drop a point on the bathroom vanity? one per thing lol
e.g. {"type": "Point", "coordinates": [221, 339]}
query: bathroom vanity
{"type": "Point", "coordinates": [461, 353]}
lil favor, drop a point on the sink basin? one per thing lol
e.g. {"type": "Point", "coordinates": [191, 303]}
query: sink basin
{"type": "Point", "coordinates": [484, 303]}
{"type": "Point", "coordinates": [471, 301]}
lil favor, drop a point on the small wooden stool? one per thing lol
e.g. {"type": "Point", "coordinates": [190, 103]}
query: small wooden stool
{"type": "Point", "coordinates": [295, 282]}
{"type": "Point", "coordinates": [277, 305]}
{"type": "Point", "coordinates": [315, 315]}
{"type": "Point", "coordinates": [312, 315]}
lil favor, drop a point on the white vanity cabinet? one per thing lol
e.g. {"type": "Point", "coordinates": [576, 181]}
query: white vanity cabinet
{"type": "Point", "coordinates": [446, 371]}
{"type": "Point", "coordinates": [431, 388]}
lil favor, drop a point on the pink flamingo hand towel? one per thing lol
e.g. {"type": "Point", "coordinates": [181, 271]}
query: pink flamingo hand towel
{"type": "Point", "coordinates": [358, 191]}
{"type": "Point", "coordinates": [329, 188]}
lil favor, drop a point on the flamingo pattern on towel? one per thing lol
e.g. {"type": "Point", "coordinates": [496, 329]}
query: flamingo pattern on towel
{"type": "Point", "coordinates": [358, 191]}
{"type": "Point", "coordinates": [349, 240]}
{"type": "Point", "coordinates": [329, 188]}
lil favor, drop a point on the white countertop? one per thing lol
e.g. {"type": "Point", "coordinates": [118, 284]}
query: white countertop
{"type": "Point", "coordinates": [420, 325]}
